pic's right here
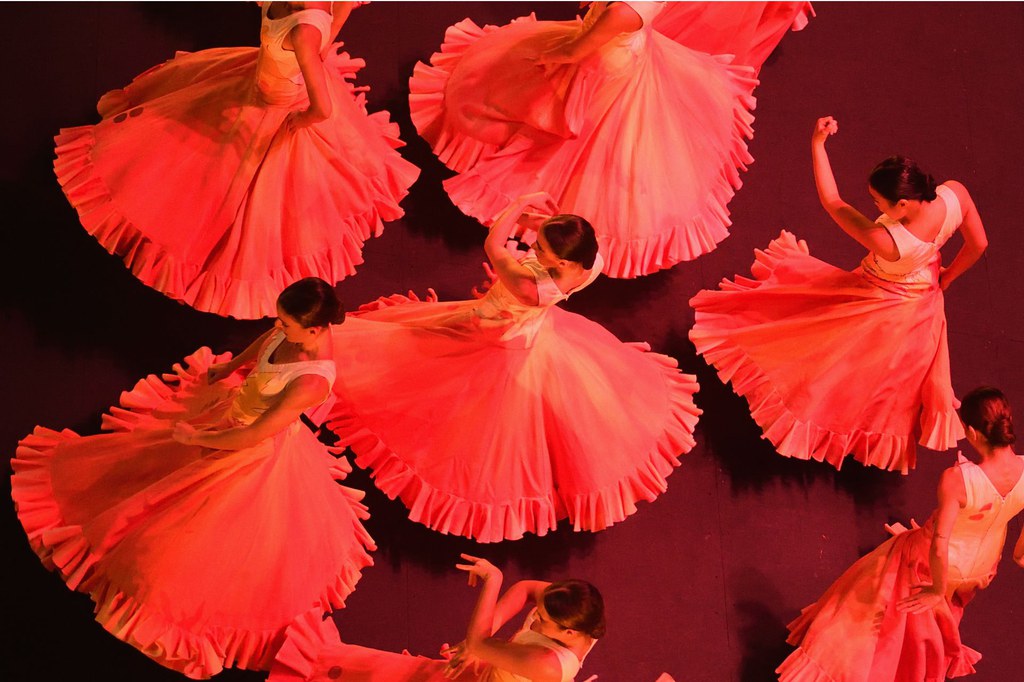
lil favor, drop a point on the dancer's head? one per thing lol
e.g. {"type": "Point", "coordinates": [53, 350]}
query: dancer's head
{"type": "Point", "coordinates": [307, 307]}
{"type": "Point", "coordinates": [570, 609]}
{"type": "Point", "coordinates": [566, 237]}
{"type": "Point", "coordinates": [897, 181]}
{"type": "Point", "coordinates": [987, 411]}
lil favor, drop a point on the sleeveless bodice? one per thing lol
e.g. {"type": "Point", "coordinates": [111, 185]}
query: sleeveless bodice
{"type": "Point", "coordinates": [976, 541]}
{"type": "Point", "coordinates": [521, 320]}
{"type": "Point", "coordinates": [278, 75]}
{"type": "Point", "coordinates": [566, 658]}
{"type": "Point", "coordinates": [624, 46]}
{"type": "Point", "coordinates": [267, 380]}
{"type": "Point", "coordinates": [918, 264]}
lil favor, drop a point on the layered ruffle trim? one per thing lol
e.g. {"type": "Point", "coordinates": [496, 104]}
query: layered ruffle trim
{"type": "Point", "coordinates": [427, 87]}
{"type": "Point", "coordinates": [63, 547]}
{"type": "Point", "coordinates": [452, 514]}
{"type": "Point", "coordinates": [304, 639]}
{"type": "Point", "coordinates": [681, 241]}
{"type": "Point", "coordinates": [791, 435]}
{"type": "Point", "coordinates": [217, 292]}
{"type": "Point", "coordinates": [800, 667]}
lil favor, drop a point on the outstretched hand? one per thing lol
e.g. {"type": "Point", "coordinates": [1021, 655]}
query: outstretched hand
{"type": "Point", "coordinates": [184, 433]}
{"type": "Point", "coordinates": [542, 202]}
{"type": "Point", "coordinates": [458, 660]}
{"type": "Point", "coordinates": [924, 598]}
{"type": "Point", "coordinates": [823, 128]}
{"type": "Point", "coordinates": [478, 569]}
{"type": "Point", "coordinates": [898, 528]}
{"type": "Point", "coordinates": [480, 290]}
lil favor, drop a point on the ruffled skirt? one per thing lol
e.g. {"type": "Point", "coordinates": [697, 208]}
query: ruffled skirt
{"type": "Point", "coordinates": [647, 146]}
{"type": "Point", "coordinates": [490, 436]}
{"type": "Point", "coordinates": [831, 363]}
{"type": "Point", "coordinates": [198, 558]}
{"type": "Point", "coordinates": [211, 198]}
{"type": "Point", "coordinates": [855, 633]}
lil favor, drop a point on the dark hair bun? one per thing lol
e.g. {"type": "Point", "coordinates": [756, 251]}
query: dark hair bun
{"type": "Point", "coordinates": [572, 238]}
{"type": "Point", "coordinates": [987, 411]}
{"type": "Point", "coordinates": [901, 178]}
{"type": "Point", "coordinates": [312, 302]}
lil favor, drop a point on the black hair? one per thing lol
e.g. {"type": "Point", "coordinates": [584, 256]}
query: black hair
{"type": "Point", "coordinates": [987, 410]}
{"type": "Point", "coordinates": [312, 302]}
{"type": "Point", "coordinates": [572, 238]}
{"type": "Point", "coordinates": [900, 178]}
{"type": "Point", "coordinates": [577, 605]}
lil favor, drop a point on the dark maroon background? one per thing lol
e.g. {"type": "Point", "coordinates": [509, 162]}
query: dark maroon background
{"type": "Point", "coordinates": [700, 583]}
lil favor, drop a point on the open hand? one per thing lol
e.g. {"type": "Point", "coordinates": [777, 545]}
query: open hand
{"type": "Point", "coordinates": [541, 202]}
{"type": "Point", "coordinates": [478, 569]}
{"type": "Point", "coordinates": [924, 598]}
{"type": "Point", "coordinates": [184, 433]}
{"type": "Point", "coordinates": [898, 528]}
{"type": "Point", "coordinates": [458, 660]}
{"type": "Point", "coordinates": [480, 290]}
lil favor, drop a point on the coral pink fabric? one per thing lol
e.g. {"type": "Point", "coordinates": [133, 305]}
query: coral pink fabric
{"type": "Point", "coordinates": [645, 138]}
{"type": "Point", "coordinates": [313, 652]}
{"type": "Point", "coordinates": [491, 419]}
{"type": "Point", "coordinates": [198, 558]}
{"type": "Point", "coordinates": [747, 30]}
{"type": "Point", "coordinates": [855, 633]}
{"type": "Point", "coordinates": [836, 363]}
{"type": "Point", "coordinates": [196, 180]}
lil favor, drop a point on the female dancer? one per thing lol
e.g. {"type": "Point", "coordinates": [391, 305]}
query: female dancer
{"type": "Point", "coordinates": [496, 417]}
{"type": "Point", "coordinates": [285, 173]}
{"type": "Point", "coordinates": [194, 475]}
{"type": "Point", "coordinates": [565, 620]}
{"type": "Point", "coordinates": [834, 362]}
{"type": "Point", "coordinates": [895, 614]}
{"type": "Point", "coordinates": [554, 106]}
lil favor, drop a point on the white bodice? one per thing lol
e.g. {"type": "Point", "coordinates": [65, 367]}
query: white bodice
{"type": "Point", "coordinates": [279, 77]}
{"type": "Point", "coordinates": [267, 380]}
{"type": "Point", "coordinates": [918, 264]}
{"type": "Point", "coordinates": [520, 320]}
{"type": "Point", "coordinates": [566, 658]}
{"type": "Point", "coordinates": [976, 541]}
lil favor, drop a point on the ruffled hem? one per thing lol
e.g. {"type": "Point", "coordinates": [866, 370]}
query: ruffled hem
{"type": "Point", "coordinates": [304, 639]}
{"type": "Point", "coordinates": [191, 283]}
{"type": "Point", "coordinates": [792, 436]}
{"type": "Point", "coordinates": [63, 547]}
{"type": "Point", "coordinates": [452, 514]}
{"type": "Point", "coordinates": [625, 258]}
{"type": "Point", "coordinates": [800, 667]}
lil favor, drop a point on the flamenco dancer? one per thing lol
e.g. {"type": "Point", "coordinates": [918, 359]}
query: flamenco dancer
{"type": "Point", "coordinates": [837, 363]}
{"type": "Point", "coordinates": [643, 136]}
{"type": "Point", "coordinates": [505, 414]}
{"type": "Point", "coordinates": [286, 175]}
{"type": "Point", "coordinates": [194, 473]}
{"type": "Point", "coordinates": [563, 623]}
{"type": "Point", "coordinates": [895, 614]}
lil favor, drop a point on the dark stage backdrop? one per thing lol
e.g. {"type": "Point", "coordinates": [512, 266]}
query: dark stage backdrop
{"type": "Point", "coordinates": [701, 582]}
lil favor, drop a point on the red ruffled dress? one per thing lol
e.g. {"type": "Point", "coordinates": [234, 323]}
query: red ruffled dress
{"type": "Point", "coordinates": [492, 418]}
{"type": "Point", "coordinates": [855, 633]}
{"type": "Point", "coordinates": [198, 558]}
{"type": "Point", "coordinates": [196, 180]}
{"type": "Point", "coordinates": [645, 138]}
{"type": "Point", "coordinates": [836, 363]}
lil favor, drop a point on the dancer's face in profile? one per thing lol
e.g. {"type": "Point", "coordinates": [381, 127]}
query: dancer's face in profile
{"type": "Point", "coordinates": [896, 211]}
{"type": "Point", "coordinates": [293, 330]}
{"type": "Point", "coordinates": [545, 256]}
{"type": "Point", "coordinates": [543, 624]}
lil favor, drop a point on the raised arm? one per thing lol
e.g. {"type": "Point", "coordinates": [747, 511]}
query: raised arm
{"type": "Point", "coordinates": [616, 19]}
{"type": "Point", "coordinates": [516, 277]}
{"type": "Point", "coordinates": [534, 662]}
{"type": "Point", "coordinates": [340, 12]}
{"type": "Point", "coordinates": [299, 395]}
{"type": "Point", "coordinates": [870, 234]}
{"type": "Point", "coordinates": [306, 40]}
{"type": "Point", "coordinates": [952, 496]}
{"type": "Point", "coordinates": [975, 239]}
{"type": "Point", "coordinates": [514, 599]}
